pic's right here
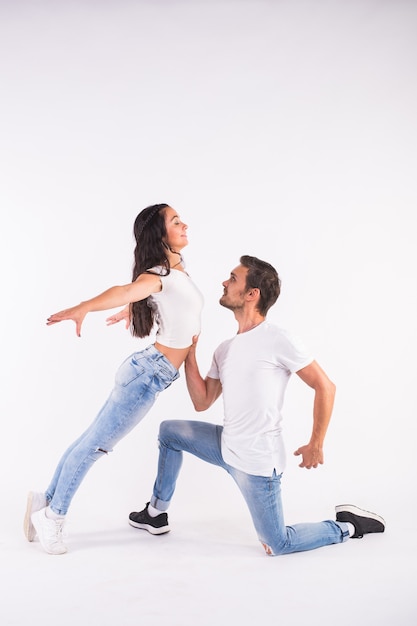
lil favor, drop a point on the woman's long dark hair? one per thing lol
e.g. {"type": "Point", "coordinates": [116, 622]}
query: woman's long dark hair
{"type": "Point", "coordinates": [149, 231]}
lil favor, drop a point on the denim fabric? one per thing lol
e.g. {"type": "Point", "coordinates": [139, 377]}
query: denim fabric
{"type": "Point", "coordinates": [138, 382]}
{"type": "Point", "coordinates": [262, 494]}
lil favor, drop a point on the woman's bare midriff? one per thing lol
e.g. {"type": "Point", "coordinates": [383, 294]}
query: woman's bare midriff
{"type": "Point", "coordinates": [176, 356]}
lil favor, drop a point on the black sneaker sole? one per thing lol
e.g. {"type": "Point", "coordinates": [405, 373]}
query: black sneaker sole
{"type": "Point", "coordinates": [149, 528]}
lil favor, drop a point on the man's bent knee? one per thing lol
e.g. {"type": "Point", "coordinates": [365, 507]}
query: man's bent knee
{"type": "Point", "coordinates": [268, 549]}
{"type": "Point", "coordinates": [168, 431]}
{"type": "Point", "coordinates": [276, 550]}
{"type": "Point", "coordinates": [165, 428]}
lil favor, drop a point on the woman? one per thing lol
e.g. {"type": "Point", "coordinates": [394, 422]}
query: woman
{"type": "Point", "coordinates": [162, 294]}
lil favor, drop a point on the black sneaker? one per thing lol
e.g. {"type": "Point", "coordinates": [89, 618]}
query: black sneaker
{"type": "Point", "coordinates": [364, 522]}
{"type": "Point", "coordinates": [155, 525]}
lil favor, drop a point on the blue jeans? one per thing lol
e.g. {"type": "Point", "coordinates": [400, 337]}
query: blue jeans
{"type": "Point", "coordinates": [138, 382]}
{"type": "Point", "coordinates": [262, 494]}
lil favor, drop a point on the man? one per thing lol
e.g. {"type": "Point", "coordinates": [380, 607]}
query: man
{"type": "Point", "coordinates": [252, 370]}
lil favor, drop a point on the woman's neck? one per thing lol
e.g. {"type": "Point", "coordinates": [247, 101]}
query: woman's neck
{"type": "Point", "coordinates": [175, 259]}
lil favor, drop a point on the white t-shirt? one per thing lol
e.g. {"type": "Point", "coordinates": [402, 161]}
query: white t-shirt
{"type": "Point", "coordinates": [177, 308]}
{"type": "Point", "coordinates": [254, 368]}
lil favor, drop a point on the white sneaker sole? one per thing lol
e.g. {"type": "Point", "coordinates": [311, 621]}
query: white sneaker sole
{"type": "Point", "coordinates": [150, 529]}
{"type": "Point", "coordinates": [28, 527]}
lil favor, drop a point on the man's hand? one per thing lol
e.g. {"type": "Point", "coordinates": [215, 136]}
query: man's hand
{"type": "Point", "coordinates": [203, 392]}
{"type": "Point", "coordinates": [191, 353]}
{"type": "Point", "coordinates": [312, 456]}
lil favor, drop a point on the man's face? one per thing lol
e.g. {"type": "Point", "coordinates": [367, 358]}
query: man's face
{"type": "Point", "coordinates": [233, 297]}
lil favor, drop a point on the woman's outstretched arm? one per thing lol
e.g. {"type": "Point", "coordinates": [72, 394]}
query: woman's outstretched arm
{"type": "Point", "coordinates": [119, 295]}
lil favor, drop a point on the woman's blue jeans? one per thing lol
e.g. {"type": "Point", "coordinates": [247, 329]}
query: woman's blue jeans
{"type": "Point", "coordinates": [262, 494]}
{"type": "Point", "coordinates": [138, 382]}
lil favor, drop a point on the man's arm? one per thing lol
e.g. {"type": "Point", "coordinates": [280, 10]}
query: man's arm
{"type": "Point", "coordinates": [203, 392]}
{"type": "Point", "coordinates": [315, 377]}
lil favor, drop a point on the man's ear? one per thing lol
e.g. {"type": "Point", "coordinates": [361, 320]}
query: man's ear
{"type": "Point", "coordinates": [253, 293]}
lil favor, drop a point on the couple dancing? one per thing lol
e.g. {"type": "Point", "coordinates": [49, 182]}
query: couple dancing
{"type": "Point", "coordinates": [250, 370]}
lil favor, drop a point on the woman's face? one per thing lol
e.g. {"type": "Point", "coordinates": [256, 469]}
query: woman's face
{"type": "Point", "coordinates": [176, 230]}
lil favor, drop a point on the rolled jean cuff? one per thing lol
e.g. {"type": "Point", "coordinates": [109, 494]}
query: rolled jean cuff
{"type": "Point", "coordinates": [161, 505]}
{"type": "Point", "coordinates": [345, 530]}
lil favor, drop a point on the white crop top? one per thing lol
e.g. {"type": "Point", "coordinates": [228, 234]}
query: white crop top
{"type": "Point", "coordinates": [177, 308]}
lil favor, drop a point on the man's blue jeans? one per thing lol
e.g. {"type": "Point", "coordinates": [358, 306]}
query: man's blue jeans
{"type": "Point", "coordinates": [262, 494]}
{"type": "Point", "coordinates": [139, 380]}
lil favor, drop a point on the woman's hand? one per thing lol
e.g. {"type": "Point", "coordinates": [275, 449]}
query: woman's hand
{"type": "Point", "coordinates": [124, 314]}
{"type": "Point", "coordinates": [75, 313]}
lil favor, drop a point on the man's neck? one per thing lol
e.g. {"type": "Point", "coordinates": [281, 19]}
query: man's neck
{"type": "Point", "coordinates": [248, 322]}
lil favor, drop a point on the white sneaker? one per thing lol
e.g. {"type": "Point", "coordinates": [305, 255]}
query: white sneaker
{"type": "Point", "coordinates": [49, 532]}
{"type": "Point", "coordinates": [35, 502]}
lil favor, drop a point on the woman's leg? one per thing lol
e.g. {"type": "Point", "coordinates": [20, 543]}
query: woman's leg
{"type": "Point", "coordinates": [138, 381]}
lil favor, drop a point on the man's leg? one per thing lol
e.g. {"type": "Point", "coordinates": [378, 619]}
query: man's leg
{"type": "Point", "coordinates": [175, 437]}
{"type": "Point", "coordinates": [263, 497]}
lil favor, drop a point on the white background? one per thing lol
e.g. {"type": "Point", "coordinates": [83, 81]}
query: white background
{"type": "Point", "coordinates": [286, 130]}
